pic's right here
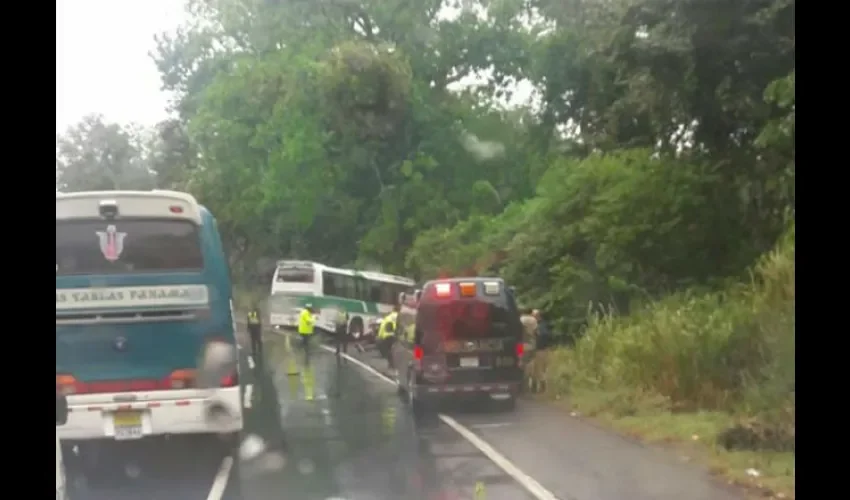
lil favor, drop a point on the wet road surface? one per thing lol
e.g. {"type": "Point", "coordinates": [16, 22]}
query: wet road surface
{"type": "Point", "coordinates": [344, 433]}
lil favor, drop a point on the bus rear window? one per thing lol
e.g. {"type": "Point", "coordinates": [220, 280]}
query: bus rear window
{"type": "Point", "coordinates": [127, 246]}
{"type": "Point", "coordinates": [295, 275]}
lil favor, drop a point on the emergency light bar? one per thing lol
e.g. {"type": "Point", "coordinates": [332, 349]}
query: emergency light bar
{"type": "Point", "coordinates": [443, 289]}
{"type": "Point", "coordinates": [468, 290]}
{"type": "Point", "coordinates": [491, 288]}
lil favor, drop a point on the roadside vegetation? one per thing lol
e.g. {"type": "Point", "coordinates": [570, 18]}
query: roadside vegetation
{"type": "Point", "coordinates": [628, 166]}
{"type": "Point", "coordinates": [713, 370]}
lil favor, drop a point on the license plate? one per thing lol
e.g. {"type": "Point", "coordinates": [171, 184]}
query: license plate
{"type": "Point", "coordinates": [128, 425]}
{"type": "Point", "coordinates": [469, 362]}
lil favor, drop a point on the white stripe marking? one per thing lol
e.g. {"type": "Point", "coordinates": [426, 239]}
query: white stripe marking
{"type": "Point", "coordinates": [220, 483]}
{"type": "Point", "coordinates": [251, 362]}
{"type": "Point", "coordinates": [493, 425]}
{"type": "Point", "coordinates": [248, 399]}
{"type": "Point", "coordinates": [529, 483]}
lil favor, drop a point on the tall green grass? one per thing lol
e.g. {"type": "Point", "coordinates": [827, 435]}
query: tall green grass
{"type": "Point", "coordinates": [731, 352]}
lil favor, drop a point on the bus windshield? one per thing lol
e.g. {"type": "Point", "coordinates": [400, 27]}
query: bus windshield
{"type": "Point", "coordinates": [295, 275]}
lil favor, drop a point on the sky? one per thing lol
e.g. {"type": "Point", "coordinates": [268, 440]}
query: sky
{"type": "Point", "coordinates": [103, 66]}
{"type": "Point", "coordinates": [102, 62]}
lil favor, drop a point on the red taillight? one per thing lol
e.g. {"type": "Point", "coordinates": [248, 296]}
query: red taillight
{"type": "Point", "coordinates": [520, 349]}
{"type": "Point", "coordinates": [231, 380]}
{"type": "Point", "coordinates": [66, 385]}
{"type": "Point", "coordinates": [175, 209]}
{"type": "Point", "coordinates": [181, 379]}
{"type": "Point", "coordinates": [417, 353]}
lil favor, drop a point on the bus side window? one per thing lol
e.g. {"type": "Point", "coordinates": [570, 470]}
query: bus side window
{"type": "Point", "coordinates": [348, 287]}
{"type": "Point", "coordinates": [377, 293]}
{"type": "Point", "coordinates": [330, 284]}
{"type": "Point", "coordinates": [361, 288]}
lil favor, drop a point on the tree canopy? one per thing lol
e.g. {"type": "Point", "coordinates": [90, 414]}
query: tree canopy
{"type": "Point", "coordinates": [588, 151]}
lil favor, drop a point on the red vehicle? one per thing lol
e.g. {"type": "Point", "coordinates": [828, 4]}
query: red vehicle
{"type": "Point", "coordinates": [459, 338]}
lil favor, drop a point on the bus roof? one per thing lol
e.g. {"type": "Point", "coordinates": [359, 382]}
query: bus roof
{"type": "Point", "coordinates": [154, 203]}
{"type": "Point", "coordinates": [376, 276]}
{"type": "Point", "coordinates": [370, 275]}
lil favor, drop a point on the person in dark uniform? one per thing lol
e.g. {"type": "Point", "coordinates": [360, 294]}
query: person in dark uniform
{"type": "Point", "coordinates": [341, 332]}
{"type": "Point", "coordinates": [255, 330]}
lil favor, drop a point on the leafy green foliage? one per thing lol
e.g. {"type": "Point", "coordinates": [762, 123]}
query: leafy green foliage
{"type": "Point", "coordinates": [653, 156]}
{"type": "Point", "coordinates": [96, 155]}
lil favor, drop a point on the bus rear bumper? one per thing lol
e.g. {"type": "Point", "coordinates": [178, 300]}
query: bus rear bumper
{"type": "Point", "coordinates": [90, 417]}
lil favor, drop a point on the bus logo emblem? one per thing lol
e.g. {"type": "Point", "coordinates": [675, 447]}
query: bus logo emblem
{"type": "Point", "coordinates": [111, 243]}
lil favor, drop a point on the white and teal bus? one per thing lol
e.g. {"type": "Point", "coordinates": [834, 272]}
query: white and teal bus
{"type": "Point", "coordinates": [366, 295]}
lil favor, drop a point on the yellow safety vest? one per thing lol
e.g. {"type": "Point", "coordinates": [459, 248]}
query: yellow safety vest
{"type": "Point", "coordinates": [253, 318]}
{"type": "Point", "coordinates": [382, 330]}
{"type": "Point", "coordinates": [306, 322]}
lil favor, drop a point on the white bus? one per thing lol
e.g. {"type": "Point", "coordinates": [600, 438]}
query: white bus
{"type": "Point", "coordinates": [366, 295]}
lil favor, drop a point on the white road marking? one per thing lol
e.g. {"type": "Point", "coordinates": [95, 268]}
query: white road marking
{"type": "Point", "coordinates": [220, 483]}
{"type": "Point", "coordinates": [251, 362]}
{"type": "Point", "coordinates": [529, 483]}
{"type": "Point", "coordinates": [248, 399]}
{"type": "Point", "coordinates": [493, 425]}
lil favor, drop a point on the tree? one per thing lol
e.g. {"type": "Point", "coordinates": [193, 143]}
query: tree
{"type": "Point", "coordinates": [94, 154]}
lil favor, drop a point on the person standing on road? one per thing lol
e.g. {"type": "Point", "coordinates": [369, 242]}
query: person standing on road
{"type": "Point", "coordinates": [529, 327]}
{"type": "Point", "coordinates": [255, 331]}
{"type": "Point", "coordinates": [306, 324]}
{"type": "Point", "coordinates": [341, 333]}
{"type": "Point", "coordinates": [544, 334]}
{"type": "Point", "coordinates": [386, 337]}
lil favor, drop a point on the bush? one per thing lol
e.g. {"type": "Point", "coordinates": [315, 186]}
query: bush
{"type": "Point", "coordinates": [730, 351]}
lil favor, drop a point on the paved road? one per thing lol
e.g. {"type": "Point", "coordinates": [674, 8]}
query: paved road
{"type": "Point", "coordinates": [344, 433]}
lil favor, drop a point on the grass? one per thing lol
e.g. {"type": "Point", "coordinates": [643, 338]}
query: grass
{"type": "Point", "coordinates": [711, 373]}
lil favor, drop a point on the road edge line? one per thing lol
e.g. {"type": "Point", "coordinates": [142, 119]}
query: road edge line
{"type": "Point", "coordinates": [221, 478]}
{"type": "Point", "coordinates": [530, 484]}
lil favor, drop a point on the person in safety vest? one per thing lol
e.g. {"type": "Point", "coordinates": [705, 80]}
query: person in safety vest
{"type": "Point", "coordinates": [255, 331]}
{"type": "Point", "coordinates": [306, 323]}
{"type": "Point", "coordinates": [386, 336]}
{"type": "Point", "coordinates": [341, 327]}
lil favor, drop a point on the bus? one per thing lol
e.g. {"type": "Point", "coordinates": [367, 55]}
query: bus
{"type": "Point", "coordinates": [366, 295]}
{"type": "Point", "coordinates": [143, 292]}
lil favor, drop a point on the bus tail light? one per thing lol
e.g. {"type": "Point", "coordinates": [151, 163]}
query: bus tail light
{"type": "Point", "coordinates": [230, 380]}
{"type": "Point", "coordinates": [66, 385]}
{"type": "Point", "coordinates": [181, 379]}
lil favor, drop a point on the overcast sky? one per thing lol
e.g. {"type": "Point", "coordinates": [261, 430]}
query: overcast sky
{"type": "Point", "coordinates": [102, 62]}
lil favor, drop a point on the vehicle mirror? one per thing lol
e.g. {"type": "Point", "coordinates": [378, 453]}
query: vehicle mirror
{"type": "Point", "coordinates": [61, 409]}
